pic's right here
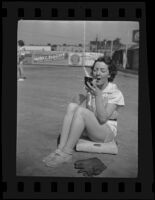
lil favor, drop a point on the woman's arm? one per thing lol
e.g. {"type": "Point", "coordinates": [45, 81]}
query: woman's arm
{"type": "Point", "coordinates": [103, 109]}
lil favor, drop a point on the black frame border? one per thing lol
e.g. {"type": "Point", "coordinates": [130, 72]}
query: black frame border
{"type": "Point", "coordinates": [72, 188]}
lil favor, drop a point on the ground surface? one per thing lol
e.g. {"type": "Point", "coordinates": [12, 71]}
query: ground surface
{"type": "Point", "coordinates": [42, 102]}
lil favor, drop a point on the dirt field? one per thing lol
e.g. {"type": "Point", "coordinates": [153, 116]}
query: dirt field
{"type": "Point", "coordinates": [42, 102]}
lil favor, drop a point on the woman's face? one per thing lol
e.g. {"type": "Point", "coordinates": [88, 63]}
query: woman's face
{"type": "Point", "coordinates": [101, 73]}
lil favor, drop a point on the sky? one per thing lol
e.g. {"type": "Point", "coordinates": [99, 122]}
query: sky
{"type": "Point", "coordinates": [73, 32]}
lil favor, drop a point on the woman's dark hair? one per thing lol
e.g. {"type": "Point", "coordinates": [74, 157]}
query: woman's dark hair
{"type": "Point", "coordinates": [21, 43]}
{"type": "Point", "coordinates": [111, 66]}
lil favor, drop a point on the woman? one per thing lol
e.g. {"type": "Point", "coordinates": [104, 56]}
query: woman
{"type": "Point", "coordinates": [99, 121]}
{"type": "Point", "coordinates": [20, 57]}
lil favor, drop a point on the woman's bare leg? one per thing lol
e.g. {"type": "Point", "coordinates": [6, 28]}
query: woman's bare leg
{"type": "Point", "coordinates": [72, 107]}
{"type": "Point", "coordinates": [83, 118]}
{"type": "Point", "coordinates": [67, 124]}
{"type": "Point", "coordinates": [65, 130]}
{"type": "Point", "coordinates": [20, 70]}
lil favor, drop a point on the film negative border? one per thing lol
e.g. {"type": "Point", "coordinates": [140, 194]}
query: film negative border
{"type": "Point", "coordinates": [141, 187]}
{"type": "Point", "coordinates": [80, 188]}
{"type": "Point", "coordinates": [82, 13]}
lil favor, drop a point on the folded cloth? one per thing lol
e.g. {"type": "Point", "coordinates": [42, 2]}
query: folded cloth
{"type": "Point", "coordinates": [97, 147]}
{"type": "Point", "coordinates": [90, 167]}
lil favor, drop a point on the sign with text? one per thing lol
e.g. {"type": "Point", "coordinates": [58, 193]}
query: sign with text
{"type": "Point", "coordinates": [48, 58]}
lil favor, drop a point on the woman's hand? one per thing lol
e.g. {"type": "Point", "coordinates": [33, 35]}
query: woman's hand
{"type": "Point", "coordinates": [94, 90]}
{"type": "Point", "coordinates": [98, 93]}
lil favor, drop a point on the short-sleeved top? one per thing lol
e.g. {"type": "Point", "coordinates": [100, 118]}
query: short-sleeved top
{"type": "Point", "coordinates": [114, 95]}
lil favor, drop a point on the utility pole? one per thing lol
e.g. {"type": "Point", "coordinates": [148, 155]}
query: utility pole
{"type": "Point", "coordinates": [125, 57]}
{"type": "Point", "coordinates": [84, 41]}
{"type": "Point", "coordinates": [83, 60]}
{"type": "Point", "coordinates": [111, 50]}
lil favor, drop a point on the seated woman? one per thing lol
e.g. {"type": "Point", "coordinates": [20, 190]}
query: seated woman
{"type": "Point", "coordinates": [99, 120]}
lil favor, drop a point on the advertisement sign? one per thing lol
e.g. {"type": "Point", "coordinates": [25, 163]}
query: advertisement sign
{"type": "Point", "coordinates": [86, 59]}
{"type": "Point", "coordinates": [63, 58]}
{"type": "Point", "coordinates": [75, 59]}
{"type": "Point", "coordinates": [47, 58]}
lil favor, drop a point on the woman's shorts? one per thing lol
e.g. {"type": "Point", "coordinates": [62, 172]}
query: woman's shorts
{"type": "Point", "coordinates": [113, 126]}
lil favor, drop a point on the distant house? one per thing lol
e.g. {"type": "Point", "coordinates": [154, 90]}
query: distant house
{"type": "Point", "coordinates": [72, 48]}
{"type": "Point", "coordinates": [96, 45]}
{"type": "Point", "coordinates": [37, 48]}
{"type": "Point", "coordinates": [133, 57]}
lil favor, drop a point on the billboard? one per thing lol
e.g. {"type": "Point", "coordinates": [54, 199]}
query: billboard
{"type": "Point", "coordinates": [48, 58]}
{"type": "Point", "coordinates": [75, 59]}
{"type": "Point", "coordinates": [86, 59]}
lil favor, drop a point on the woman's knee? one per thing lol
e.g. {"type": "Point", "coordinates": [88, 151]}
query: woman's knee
{"type": "Point", "coordinates": [72, 107]}
{"type": "Point", "coordinates": [81, 112]}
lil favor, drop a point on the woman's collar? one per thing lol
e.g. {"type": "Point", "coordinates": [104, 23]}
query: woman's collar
{"type": "Point", "coordinates": [109, 87]}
